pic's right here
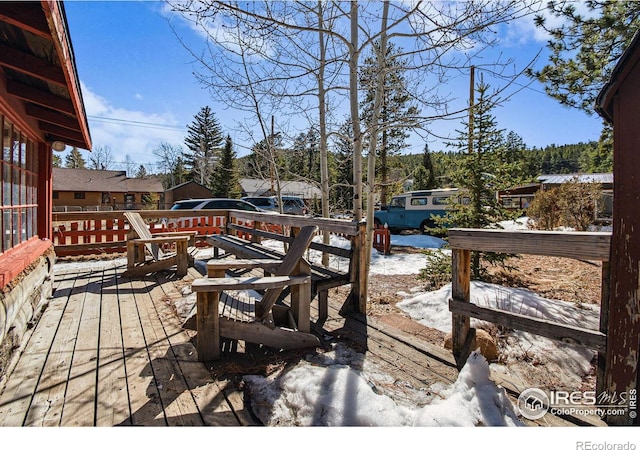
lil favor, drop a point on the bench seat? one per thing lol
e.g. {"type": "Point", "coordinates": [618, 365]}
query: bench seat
{"type": "Point", "coordinates": [322, 278]}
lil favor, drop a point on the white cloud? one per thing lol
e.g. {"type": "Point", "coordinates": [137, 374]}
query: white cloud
{"type": "Point", "coordinates": [129, 132]}
{"type": "Point", "coordinates": [523, 30]}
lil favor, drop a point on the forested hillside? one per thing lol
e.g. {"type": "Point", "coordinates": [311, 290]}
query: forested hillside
{"type": "Point", "coordinates": [587, 157]}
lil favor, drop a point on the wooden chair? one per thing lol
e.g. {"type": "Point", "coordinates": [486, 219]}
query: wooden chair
{"type": "Point", "coordinates": [262, 321]}
{"type": "Point", "coordinates": [141, 242]}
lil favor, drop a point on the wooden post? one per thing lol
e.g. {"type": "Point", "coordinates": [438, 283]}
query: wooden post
{"type": "Point", "coordinates": [208, 325]}
{"type": "Point", "coordinates": [301, 299]}
{"type": "Point", "coordinates": [358, 273]}
{"type": "Point", "coordinates": [604, 323]}
{"type": "Point", "coordinates": [182, 260]}
{"type": "Point", "coordinates": [462, 334]}
{"type": "Point", "coordinates": [362, 279]}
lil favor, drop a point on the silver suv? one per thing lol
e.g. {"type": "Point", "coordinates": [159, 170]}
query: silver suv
{"type": "Point", "coordinates": [266, 203]}
{"type": "Point", "coordinates": [290, 204]}
{"type": "Point", "coordinates": [294, 205]}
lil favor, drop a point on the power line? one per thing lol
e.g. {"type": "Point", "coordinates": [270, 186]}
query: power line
{"type": "Point", "coordinates": [135, 123]}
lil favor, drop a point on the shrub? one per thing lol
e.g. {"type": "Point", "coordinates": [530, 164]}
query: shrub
{"type": "Point", "coordinates": [571, 205]}
{"type": "Point", "coordinates": [437, 272]}
{"type": "Point", "coordinates": [543, 210]}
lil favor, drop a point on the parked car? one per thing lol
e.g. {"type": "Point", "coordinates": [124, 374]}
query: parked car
{"type": "Point", "coordinates": [216, 203]}
{"type": "Point", "coordinates": [290, 204]}
{"type": "Point", "coordinates": [294, 205]}
{"type": "Point", "coordinates": [266, 203]}
{"type": "Point", "coordinates": [210, 203]}
{"type": "Point", "coordinates": [414, 210]}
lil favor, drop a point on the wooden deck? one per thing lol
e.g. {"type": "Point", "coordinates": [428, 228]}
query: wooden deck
{"type": "Point", "coordinates": [110, 351]}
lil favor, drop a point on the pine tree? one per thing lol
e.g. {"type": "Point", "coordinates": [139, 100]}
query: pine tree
{"type": "Point", "coordinates": [425, 177]}
{"type": "Point", "coordinates": [342, 187]}
{"type": "Point", "coordinates": [74, 159]}
{"type": "Point", "coordinates": [479, 174]}
{"type": "Point", "coordinates": [585, 47]}
{"type": "Point", "coordinates": [397, 115]}
{"type": "Point", "coordinates": [141, 172]}
{"type": "Point", "coordinates": [204, 140]}
{"type": "Point", "coordinates": [225, 179]}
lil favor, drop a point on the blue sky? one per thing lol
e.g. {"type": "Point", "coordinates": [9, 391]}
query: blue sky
{"type": "Point", "coordinates": [139, 89]}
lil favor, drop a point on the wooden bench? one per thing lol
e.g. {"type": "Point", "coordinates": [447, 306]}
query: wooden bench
{"type": "Point", "coordinates": [250, 247]}
{"type": "Point", "coordinates": [256, 321]}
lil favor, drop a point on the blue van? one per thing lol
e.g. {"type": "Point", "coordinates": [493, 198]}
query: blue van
{"type": "Point", "coordinates": [414, 210]}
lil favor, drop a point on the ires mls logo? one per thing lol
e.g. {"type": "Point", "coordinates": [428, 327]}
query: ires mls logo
{"type": "Point", "coordinates": [534, 403]}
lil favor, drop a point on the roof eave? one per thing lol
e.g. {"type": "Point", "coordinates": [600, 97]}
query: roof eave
{"type": "Point", "coordinates": [56, 18]}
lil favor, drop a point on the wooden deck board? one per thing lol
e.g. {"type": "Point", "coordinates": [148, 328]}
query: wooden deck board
{"type": "Point", "coordinates": [112, 405]}
{"type": "Point", "coordinates": [23, 382]}
{"type": "Point", "coordinates": [48, 401]}
{"type": "Point", "coordinates": [81, 385]}
{"type": "Point", "coordinates": [144, 397]}
{"type": "Point", "coordinates": [111, 351]}
{"type": "Point", "coordinates": [179, 407]}
{"type": "Point", "coordinates": [208, 394]}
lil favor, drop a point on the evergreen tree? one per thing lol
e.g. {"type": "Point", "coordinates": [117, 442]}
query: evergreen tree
{"type": "Point", "coordinates": [585, 48]}
{"type": "Point", "coordinates": [342, 189]}
{"type": "Point", "coordinates": [179, 173]}
{"type": "Point", "coordinates": [479, 174]}
{"type": "Point", "coordinates": [204, 140]}
{"type": "Point", "coordinates": [141, 172]}
{"type": "Point", "coordinates": [424, 176]}
{"type": "Point", "coordinates": [57, 161]}
{"type": "Point", "coordinates": [397, 115]}
{"type": "Point", "coordinates": [74, 159]}
{"type": "Point", "coordinates": [303, 160]}
{"type": "Point", "coordinates": [225, 179]}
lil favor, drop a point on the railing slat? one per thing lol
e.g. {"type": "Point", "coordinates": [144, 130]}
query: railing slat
{"type": "Point", "coordinates": [591, 246]}
{"type": "Point", "coordinates": [589, 338]}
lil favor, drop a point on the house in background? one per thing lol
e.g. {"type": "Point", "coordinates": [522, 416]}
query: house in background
{"type": "Point", "coordinates": [520, 197]}
{"type": "Point", "coordinates": [100, 190]}
{"type": "Point", "coordinates": [254, 187]}
{"type": "Point", "coordinates": [41, 109]}
{"type": "Point", "coordinates": [185, 191]}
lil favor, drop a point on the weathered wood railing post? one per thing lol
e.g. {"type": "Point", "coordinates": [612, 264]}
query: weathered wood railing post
{"type": "Point", "coordinates": [604, 323]}
{"type": "Point", "coordinates": [462, 334]}
{"type": "Point", "coordinates": [358, 273]}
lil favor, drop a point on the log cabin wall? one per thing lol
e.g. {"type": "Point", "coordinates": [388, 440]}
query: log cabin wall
{"type": "Point", "coordinates": [40, 103]}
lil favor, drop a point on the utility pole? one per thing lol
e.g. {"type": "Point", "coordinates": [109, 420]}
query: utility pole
{"type": "Point", "coordinates": [471, 92]}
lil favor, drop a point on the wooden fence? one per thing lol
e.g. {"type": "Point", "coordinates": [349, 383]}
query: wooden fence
{"type": "Point", "coordinates": [576, 245]}
{"type": "Point", "coordinates": [105, 232]}
{"type": "Point", "coordinates": [100, 232]}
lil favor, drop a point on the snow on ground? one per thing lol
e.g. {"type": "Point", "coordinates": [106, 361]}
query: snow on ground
{"type": "Point", "coordinates": [325, 390]}
{"type": "Point", "coordinates": [557, 361]}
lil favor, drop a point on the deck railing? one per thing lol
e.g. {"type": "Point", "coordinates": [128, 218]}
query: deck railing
{"type": "Point", "coordinates": [589, 246]}
{"type": "Point", "coordinates": [104, 232]}
{"type": "Point", "coordinates": [101, 232]}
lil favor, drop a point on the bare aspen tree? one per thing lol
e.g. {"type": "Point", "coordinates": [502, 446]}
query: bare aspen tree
{"type": "Point", "coordinates": [272, 76]}
{"type": "Point", "coordinates": [373, 133]}
{"type": "Point", "coordinates": [101, 158]}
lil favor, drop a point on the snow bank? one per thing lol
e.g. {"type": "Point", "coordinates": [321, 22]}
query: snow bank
{"type": "Point", "coordinates": [333, 390]}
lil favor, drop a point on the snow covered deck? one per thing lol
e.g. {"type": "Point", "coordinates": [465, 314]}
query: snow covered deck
{"type": "Point", "coordinates": [111, 351]}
